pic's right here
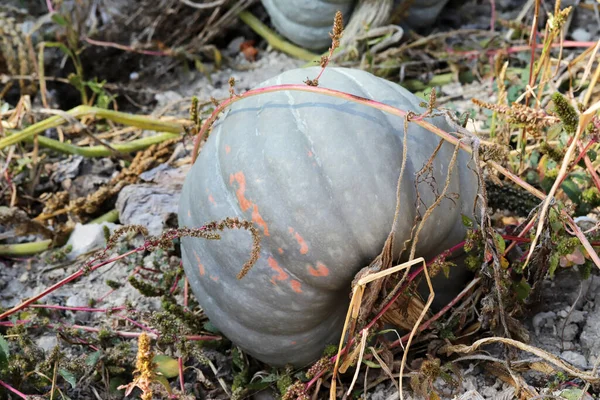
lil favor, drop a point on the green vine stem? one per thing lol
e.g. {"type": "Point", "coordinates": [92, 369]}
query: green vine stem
{"type": "Point", "coordinates": [139, 121]}
{"type": "Point", "coordinates": [102, 151]}
{"type": "Point", "coordinates": [274, 39]}
{"type": "Point", "coordinates": [111, 216]}
{"type": "Point", "coordinates": [25, 249]}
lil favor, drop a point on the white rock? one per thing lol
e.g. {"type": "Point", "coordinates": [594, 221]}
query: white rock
{"type": "Point", "coordinates": [47, 343]}
{"type": "Point", "coordinates": [89, 237]}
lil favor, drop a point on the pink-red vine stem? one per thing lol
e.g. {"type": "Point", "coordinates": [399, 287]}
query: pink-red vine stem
{"type": "Point", "coordinates": [356, 99]}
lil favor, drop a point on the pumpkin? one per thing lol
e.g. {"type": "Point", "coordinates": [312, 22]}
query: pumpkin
{"type": "Point", "coordinates": [308, 23]}
{"type": "Point", "coordinates": [423, 13]}
{"type": "Point", "coordinates": [317, 175]}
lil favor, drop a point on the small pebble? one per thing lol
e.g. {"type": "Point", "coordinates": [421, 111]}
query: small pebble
{"type": "Point", "coordinates": [574, 358]}
{"type": "Point", "coordinates": [24, 277]}
{"type": "Point", "coordinates": [540, 320]}
{"type": "Point", "coordinates": [581, 35]}
{"type": "Point", "coordinates": [577, 317]}
{"type": "Point", "coordinates": [569, 333]}
{"type": "Point", "coordinates": [47, 343]}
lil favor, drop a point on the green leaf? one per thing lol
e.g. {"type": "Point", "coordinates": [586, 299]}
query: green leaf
{"type": "Point", "coordinates": [59, 19]}
{"type": "Point", "coordinates": [68, 376]}
{"type": "Point", "coordinates": [93, 358]}
{"type": "Point", "coordinates": [466, 221]}
{"type": "Point", "coordinates": [4, 353]}
{"type": "Point", "coordinates": [163, 381]}
{"type": "Point", "coordinates": [446, 270]}
{"type": "Point", "coordinates": [167, 366]}
{"type": "Point", "coordinates": [61, 46]}
{"type": "Point", "coordinates": [500, 243]}
{"type": "Point", "coordinates": [115, 382]}
{"type": "Point", "coordinates": [572, 190]}
{"type": "Point", "coordinates": [523, 289]}
{"type": "Point", "coordinates": [238, 359]}
{"type": "Point", "coordinates": [572, 394]}
{"type": "Point", "coordinates": [592, 155]}
{"type": "Point", "coordinates": [371, 364]}
{"type": "Point", "coordinates": [554, 259]}
{"type": "Point", "coordinates": [209, 327]}
{"type": "Point", "coordinates": [585, 270]}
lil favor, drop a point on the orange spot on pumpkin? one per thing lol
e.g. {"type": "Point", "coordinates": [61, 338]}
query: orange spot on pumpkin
{"type": "Point", "coordinates": [200, 265]}
{"type": "Point", "coordinates": [321, 270]}
{"type": "Point", "coordinates": [211, 199]}
{"type": "Point", "coordinates": [227, 149]}
{"type": "Point", "coordinates": [296, 286]}
{"type": "Point", "coordinates": [280, 250]}
{"type": "Point", "coordinates": [240, 178]}
{"type": "Point", "coordinates": [281, 274]}
{"type": "Point", "coordinates": [300, 240]}
{"type": "Point", "coordinates": [258, 219]}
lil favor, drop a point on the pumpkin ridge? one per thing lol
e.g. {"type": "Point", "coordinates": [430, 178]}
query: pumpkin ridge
{"type": "Point", "coordinates": [389, 126]}
{"type": "Point", "coordinates": [344, 217]}
{"type": "Point", "coordinates": [324, 182]}
{"type": "Point", "coordinates": [221, 171]}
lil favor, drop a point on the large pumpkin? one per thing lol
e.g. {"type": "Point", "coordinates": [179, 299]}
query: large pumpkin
{"type": "Point", "coordinates": [317, 175]}
{"type": "Point", "coordinates": [308, 23]}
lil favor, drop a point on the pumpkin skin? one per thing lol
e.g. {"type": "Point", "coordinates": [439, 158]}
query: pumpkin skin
{"type": "Point", "coordinates": [423, 13]}
{"type": "Point", "coordinates": [308, 23]}
{"type": "Point", "coordinates": [317, 175]}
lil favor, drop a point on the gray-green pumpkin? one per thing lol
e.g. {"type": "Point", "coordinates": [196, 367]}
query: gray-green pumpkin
{"type": "Point", "coordinates": [308, 23]}
{"type": "Point", "coordinates": [317, 175]}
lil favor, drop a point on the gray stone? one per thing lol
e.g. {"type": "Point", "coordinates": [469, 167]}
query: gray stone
{"type": "Point", "coordinates": [78, 300]}
{"type": "Point", "coordinates": [569, 333]}
{"type": "Point", "coordinates": [165, 98]}
{"type": "Point", "coordinates": [577, 359]}
{"type": "Point", "coordinates": [68, 169]}
{"type": "Point", "coordinates": [489, 392]}
{"type": "Point", "coordinates": [166, 176]}
{"type": "Point", "coordinates": [47, 343]}
{"type": "Point", "coordinates": [590, 335]}
{"type": "Point", "coordinates": [541, 320]}
{"type": "Point", "coordinates": [151, 206]}
{"type": "Point", "coordinates": [568, 346]}
{"type": "Point", "coordinates": [24, 277]}
{"type": "Point", "coordinates": [581, 35]}
{"type": "Point", "coordinates": [577, 317]}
